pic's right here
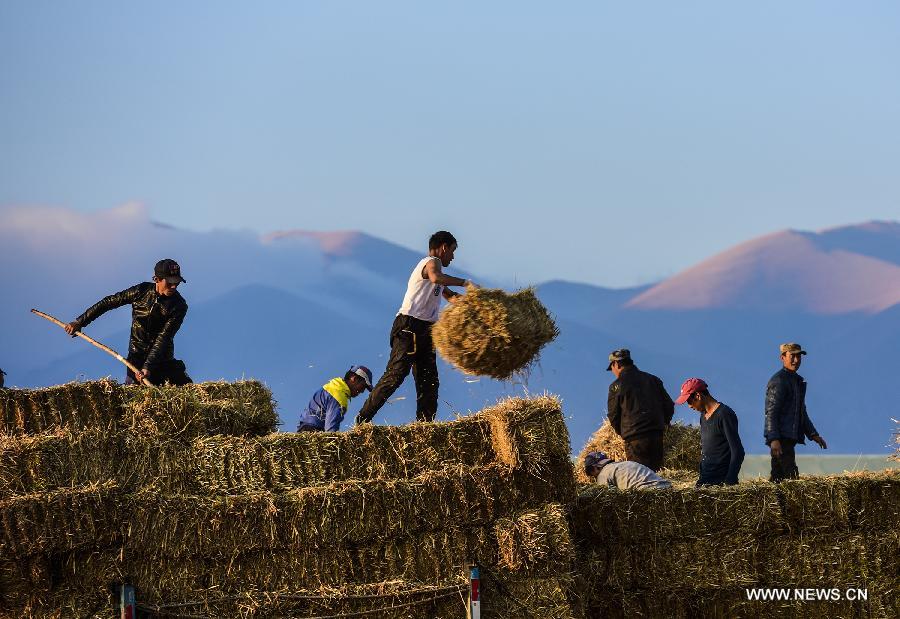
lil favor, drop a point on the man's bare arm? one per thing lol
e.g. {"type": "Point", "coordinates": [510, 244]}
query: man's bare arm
{"type": "Point", "coordinates": [435, 276]}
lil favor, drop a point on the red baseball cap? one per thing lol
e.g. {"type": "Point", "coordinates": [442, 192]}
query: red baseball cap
{"type": "Point", "coordinates": [690, 387]}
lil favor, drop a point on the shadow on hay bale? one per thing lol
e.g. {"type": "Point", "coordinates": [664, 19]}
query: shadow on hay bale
{"type": "Point", "coordinates": [681, 447]}
{"type": "Point", "coordinates": [488, 332]}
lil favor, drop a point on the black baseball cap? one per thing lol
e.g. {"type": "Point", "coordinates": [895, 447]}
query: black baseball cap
{"type": "Point", "coordinates": [169, 270]}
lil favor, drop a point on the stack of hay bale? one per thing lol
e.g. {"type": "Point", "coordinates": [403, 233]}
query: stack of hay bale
{"type": "Point", "coordinates": [694, 552]}
{"type": "Point", "coordinates": [187, 495]}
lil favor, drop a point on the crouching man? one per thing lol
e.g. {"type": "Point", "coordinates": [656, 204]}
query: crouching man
{"type": "Point", "coordinates": [622, 475]}
{"type": "Point", "coordinates": [327, 408]}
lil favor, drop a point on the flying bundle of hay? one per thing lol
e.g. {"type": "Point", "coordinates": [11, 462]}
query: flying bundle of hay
{"type": "Point", "coordinates": [681, 447]}
{"type": "Point", "coordinates": [488, 332]}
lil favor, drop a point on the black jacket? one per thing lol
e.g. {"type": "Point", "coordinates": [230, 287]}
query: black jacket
{"type": "Point", "coordinates": [786, 416]}
{"type": "Point", "coordinates": [155, 319]}
{"type": "Point", "coordinates": [638, 404]}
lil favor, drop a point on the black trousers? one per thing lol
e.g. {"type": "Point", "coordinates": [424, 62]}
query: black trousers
{"type": "Point", "coordinates": [785, 467]}
{"type": "Point", "coordinates": [173, 372]}
{"type": "Point", "coordinates": [411, 349]}
{"type": "Point", "coordinates": [646, 449]}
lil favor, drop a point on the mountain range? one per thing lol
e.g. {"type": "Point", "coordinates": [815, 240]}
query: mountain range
{"type": "Point", "coordinates": [295, 308]}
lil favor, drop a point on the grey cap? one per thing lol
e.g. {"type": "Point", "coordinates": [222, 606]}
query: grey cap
{"type": "Point", "coordinates": [618, 355]}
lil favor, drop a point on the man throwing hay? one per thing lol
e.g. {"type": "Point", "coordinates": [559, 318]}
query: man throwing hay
{"type": "Point", "coordinates": [411, 345]}
{"type": "Point", "coordinates": [157, 311]}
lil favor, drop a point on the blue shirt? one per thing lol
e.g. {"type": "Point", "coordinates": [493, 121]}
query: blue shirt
{"type": "Point", "coordinates": [327, 407]}
{"type": "Point", "coordinates": [720, 445]}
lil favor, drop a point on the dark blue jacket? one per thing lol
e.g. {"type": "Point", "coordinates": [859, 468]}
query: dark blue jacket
{"type": "Point", "coordinates": [786, 416]}
{"type": "Point", "coordinates": [721, 447]}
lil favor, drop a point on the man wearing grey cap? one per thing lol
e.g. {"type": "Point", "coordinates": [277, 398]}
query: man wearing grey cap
{"type": "Point", "coordinates": [787, 422]}
{"type": "Point", "coordinates": [639, 409]}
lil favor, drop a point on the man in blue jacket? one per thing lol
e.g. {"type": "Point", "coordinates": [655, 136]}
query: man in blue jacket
{"type": "Point", "coordinates": [328, 405]}
{"type": "Point", "coordinates": [721, 450]}
{"type": "Point", "coordinates": [787, 422]}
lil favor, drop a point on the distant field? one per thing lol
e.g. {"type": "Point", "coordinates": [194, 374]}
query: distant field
{"type": "Point", "coordinates": [759, 465]}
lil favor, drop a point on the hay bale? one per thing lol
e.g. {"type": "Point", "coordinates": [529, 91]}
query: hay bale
{"type": "Point", "coordinates": [608, 516]}
{"type": "Point", "coordinates": [243, 408]}
{"type": "Point", "coordinates": [527, 434]}
{"type": "Point", "coordinates": [73, 406]}
{"type": "Point", "coordinates": [240, 408]}
{"type": "Point", "coordinates": [488, 332]}
{"type": "Point", "coordinates": [681, 447]}
{"type": "Point", "coordinates": [60, 520]}
{"type": "Point", "coordinates": [317, 517]}
{"type": "Point", "coordinates": [530, 540]}
{"type": "Point", "coordinates": [58, 459]}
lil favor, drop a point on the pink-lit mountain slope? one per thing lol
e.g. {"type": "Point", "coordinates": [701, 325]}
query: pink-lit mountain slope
{"type": "Point", "coordinates": [836, 271]}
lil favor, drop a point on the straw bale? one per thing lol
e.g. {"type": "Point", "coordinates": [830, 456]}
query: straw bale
{"type": "Point", "coordinates": [529, 433]}
{"type": "Point", "coordinates": [57, 459]}
{"type": "Point", "coordinates": [350, 512]}
{"type": "Point", "coordinates": [681, 447]}
{"type": "Point", "coordinates": [242, 408]}
{"type": "Point", "coordinates": [285, 461]}
{"type": "Point", "coordinates": [857, 501]}
{"type": "Point", "coordinates": [59, 520]}
{"type": "Point", "coordinates": [72, 405]}
{"type": "Point", "coordinates": [605, 515]}
{"type": "Point", "coordinates": [522, 433]}
{"type": "Point", "coordinates": [530, 539]}
{"type": "Point", "coordinates": [489, 332]}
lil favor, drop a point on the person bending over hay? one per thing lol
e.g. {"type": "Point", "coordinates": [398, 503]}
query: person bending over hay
{"type": "Point", "coordinates": [492, 333]}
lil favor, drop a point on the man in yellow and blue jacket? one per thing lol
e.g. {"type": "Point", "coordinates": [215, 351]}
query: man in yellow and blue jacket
{"type": "Point", "coordinates": [328, 405]}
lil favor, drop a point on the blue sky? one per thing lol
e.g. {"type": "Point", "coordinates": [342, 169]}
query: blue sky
{"type": "Point", "coordinates": [613, 143]}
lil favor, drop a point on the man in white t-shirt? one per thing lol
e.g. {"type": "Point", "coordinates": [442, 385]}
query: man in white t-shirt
{"type": "Point", "coordinates": [411, 345]}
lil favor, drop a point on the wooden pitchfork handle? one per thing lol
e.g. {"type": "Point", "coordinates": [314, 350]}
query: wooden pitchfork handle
{"type": "Point", "coordinates": [102, 347]}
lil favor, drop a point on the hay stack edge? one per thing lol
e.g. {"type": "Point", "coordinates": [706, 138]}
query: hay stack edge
{"type": "Point", "coordinates": [488, 332]}
{"type": "Point", "coordinates": [190, 495]}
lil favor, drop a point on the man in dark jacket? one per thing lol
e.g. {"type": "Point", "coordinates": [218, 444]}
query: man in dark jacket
{"type": "Point", "coordinates": [639, 409]}
{"type": "Point", "coordinates": [721, 450]}
{"type": "Point", "coordinates": [157, 311]}
{"type": "Point", "coordinates": [787, 422]}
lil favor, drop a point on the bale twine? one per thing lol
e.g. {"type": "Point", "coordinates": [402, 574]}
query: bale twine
{"type": "Point", "coordinates": [681, 447]}
{"type": "Point", "coordinates": [488, 332]}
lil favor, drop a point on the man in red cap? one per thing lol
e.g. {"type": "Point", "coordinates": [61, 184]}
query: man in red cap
{"type": "Point", "coordinates": [157, 311]}
{"type": "Point", "coordinates": [721, 450]}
